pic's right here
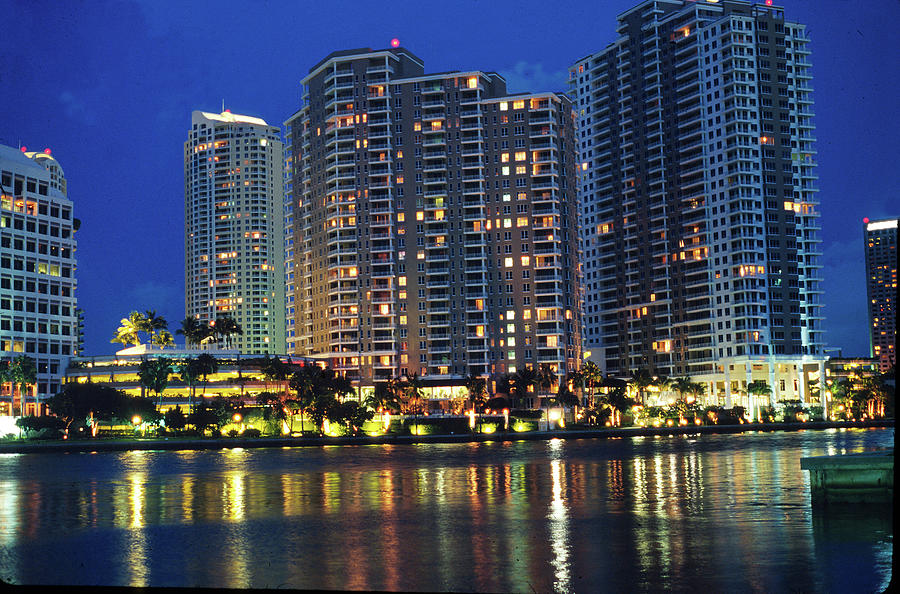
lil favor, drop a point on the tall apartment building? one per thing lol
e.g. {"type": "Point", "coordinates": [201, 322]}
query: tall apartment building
{"type": "Point", "coordinates": [38, 315]}
{"type": "Point", "coordinates": [433, 222]}
{"type": "Point", "coordinates": [233, 215]}
{"type": "Point", "coordinates": [699, 213]}
{"type": "Point", "coordinates": [881, 289]}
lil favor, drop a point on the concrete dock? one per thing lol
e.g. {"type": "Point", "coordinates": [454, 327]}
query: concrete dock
{"type": "Point", "coordinates": [851, 478]}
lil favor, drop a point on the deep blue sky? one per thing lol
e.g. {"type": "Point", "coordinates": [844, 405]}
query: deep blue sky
{"type": "Point", "coordinates": [109, 86]}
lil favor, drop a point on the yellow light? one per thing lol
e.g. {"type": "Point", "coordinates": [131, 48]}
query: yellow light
{"type": "Point", "coordinates": [136, 420]}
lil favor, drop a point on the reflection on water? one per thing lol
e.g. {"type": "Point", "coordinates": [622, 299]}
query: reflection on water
{"type": "Point", "coordinates": [722, 513]}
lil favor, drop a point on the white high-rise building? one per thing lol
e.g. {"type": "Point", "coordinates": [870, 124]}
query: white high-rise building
{"type": "Point", "coordinates": [38, 316]}
{"type": "Point", "coordinates": [699, 216]}
{"type": "Point", "coordinates": [234, 226]}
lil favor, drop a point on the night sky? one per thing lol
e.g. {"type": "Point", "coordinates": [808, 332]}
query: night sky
{"type": "Point", "coordinates": [110, 85]}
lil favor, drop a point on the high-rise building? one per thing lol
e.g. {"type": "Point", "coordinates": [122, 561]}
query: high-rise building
{"type": "Point", "coordinates": [881, 289]}
{"type": "Point", "coordinates": [433, 222]}
{"type": "Point", "coordinates": [38, 315]}
{"type": "Point", "coordinates": [233, 227]}
{"type": "Point", "coordinates": [699, 216]}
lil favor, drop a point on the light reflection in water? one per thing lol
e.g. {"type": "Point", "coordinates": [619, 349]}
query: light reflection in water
{"type": "Point", "coordinates": [137, 538]}
{"type": "Point", "coordinates": [719, 513]}
{"type": "Point", "coordinates": [559, 536]}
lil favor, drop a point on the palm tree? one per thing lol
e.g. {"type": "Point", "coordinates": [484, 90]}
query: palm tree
{"type": "Point", "coordinates": [308, 384]}
{"type": "Point", "coordinates": [618, 401]}
{"type": "Point", "coordinates": [546, 377]}
{"type": "Point", "coordinates": [698, 389]}
{"type": "Point", "coordinates": [522, 382]}
{"type": "Point", "coordinates": [275, 370]}
{"type": "Point", "coordinates": [192, 330]}
{"type": "Point", "coordinates": [6, 376]}
{"type": "Point", "coordinates": [592, 377]}
{"type": "Point", "coordinates": [189, 372]}
{"type": "Point", "coordinates": [383, 397]}
{"type": "Point", "coordinates": [225, 327]}
{"type": "Point", "coordinates": [22, 372]}
{"type": "Point", "coordinates": [565, 397]}
{"type": "Point", "coordinates": [206, 366]}
{"type": "Point", "coordinates": [476, 386]}
{"type": "Point", "coordinates": [641, 380]}
{"type": "Point", "coordinates": [760, 388]}
{"type": "Point", "coordinates": [341, 386]}
{"type": "Point", "coordinates": [163, 339]}
{"type": "Point", "coordinates": [127, 332]}
{"type": "Point", "coordinates": [153, 323]}
{"type": "Point", "coordinates": [412, 393]}
{"type": "Point", "coordinates": [154, 375]}
{"type": "Point", "coordinates": [872, 392]}
{"type": "Point", "coordinates": [682, 385]}
{"type": "Point", "coordinates": [662, 383]}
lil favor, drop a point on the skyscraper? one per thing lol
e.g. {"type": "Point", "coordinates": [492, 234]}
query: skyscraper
{"type": "Point", "coordinates": [38, 315]}
{"type": "Point", "coordinates": [233, 213]}
{"type": "Point", "coordinates": [699, 220]}
{"type": "Point", "coordinates": [881, 289]}
{"type": "Point", "coordinates": [433, 222]}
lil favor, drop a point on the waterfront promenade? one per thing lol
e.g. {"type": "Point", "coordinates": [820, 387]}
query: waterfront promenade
{"type": "Point", "coordinates": [178, 443]}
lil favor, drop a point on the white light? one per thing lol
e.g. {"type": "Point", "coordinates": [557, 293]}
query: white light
{"type": "Point", "coordinates": [879, 225]}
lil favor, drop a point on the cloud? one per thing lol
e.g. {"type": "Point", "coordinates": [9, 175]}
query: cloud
{"type": "Point", "coordinates": [526, 77]}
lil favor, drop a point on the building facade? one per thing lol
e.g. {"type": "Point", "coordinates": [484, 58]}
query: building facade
{"type": "Point", "coordinates": [881, 290]}
{"type": "Point", "coordinates": [433, 222]}
{"type": "Point", "coordinates": [233, 213]}
{"type": "Point", "coordinates": [699, 216]}
{"type": "Point", "coordinates": [38, 315]}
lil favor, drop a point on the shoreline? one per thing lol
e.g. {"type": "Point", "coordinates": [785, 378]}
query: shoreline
{"type": "Point", "coordinates": [176, 443]}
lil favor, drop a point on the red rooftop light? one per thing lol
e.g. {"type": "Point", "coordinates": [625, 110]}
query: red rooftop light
{"type": "Point", "coordinates": [23, 148]}
{"type": "Point", "coordinates": [395, 42]}
{"type": "Point", "coordinates": [768, 2]}
{"type": "Point", "coordinates": [46, 151]}
{"type": "Point", "coordinates": [866, 220]}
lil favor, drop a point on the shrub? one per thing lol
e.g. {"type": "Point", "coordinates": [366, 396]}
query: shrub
{"type": "Point", "coordinates": [252, 432]}
{"type": "Point", "coordinates": [789, 410]}
{"type": "Point", "coordinates": [233, 433]}
{"type": "Point", "coordinates": [46, 427]}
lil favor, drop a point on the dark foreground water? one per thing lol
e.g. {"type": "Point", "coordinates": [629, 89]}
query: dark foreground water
{"type": "Point", "coordinates": [713, 513]}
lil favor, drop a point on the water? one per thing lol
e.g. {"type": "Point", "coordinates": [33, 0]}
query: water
{"type": "Point", "coordinates": [715, 512]}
